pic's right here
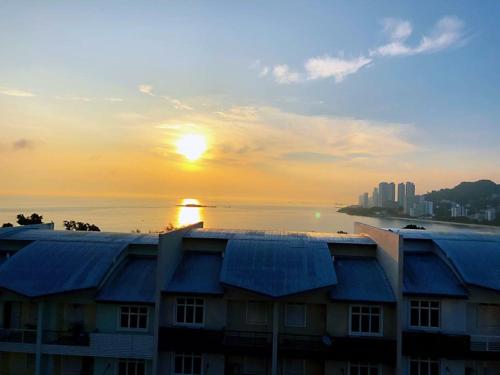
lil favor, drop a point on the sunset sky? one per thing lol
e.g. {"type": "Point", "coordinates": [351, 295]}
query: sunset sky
{"type": "Point", "coordinates": [297, 101]}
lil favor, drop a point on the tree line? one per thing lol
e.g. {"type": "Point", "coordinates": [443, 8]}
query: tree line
{"type": "Point", "coordinates": [35, 218]}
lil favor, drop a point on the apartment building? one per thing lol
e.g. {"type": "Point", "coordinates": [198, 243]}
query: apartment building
{"type": "Point", "coordinates": [206, 301]}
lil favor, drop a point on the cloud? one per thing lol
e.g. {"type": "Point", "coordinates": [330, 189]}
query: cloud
{"type": "Point", "coordinates": [22, 143]}
{"type": "Point", "coordinates": [176, 103]}
{"type": "Point", "coordinates": [257, 135]}
{"type": "Point", "coordinates": [447, 32]}
{"type": "Point", "coordinates": [264, 71]}
{"type": "Point", "coordinates": [112, 99]}
{"type": "Point", "coordinates": [282, 74]}
{"type": "Point", "coordinates": [325, 67]}
{"type": "Point", "coordinates": [16, 92]}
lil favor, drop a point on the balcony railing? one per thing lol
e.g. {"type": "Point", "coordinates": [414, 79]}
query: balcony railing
{"type": "Point", "coordinates": [72, 338]}
{"type": "Point", "coordinates": [249, 339]}
{"type": "Point", "coordinates": [21, 336]}
{"type": "Point", "coordinates": [485, 343]}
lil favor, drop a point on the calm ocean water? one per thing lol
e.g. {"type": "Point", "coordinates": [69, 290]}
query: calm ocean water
{"type": "Point", "coordinates": [125, 215]}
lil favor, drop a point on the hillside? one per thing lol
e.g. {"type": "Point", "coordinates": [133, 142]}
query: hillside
{"type": "Point", "coordinates": [476, 195]}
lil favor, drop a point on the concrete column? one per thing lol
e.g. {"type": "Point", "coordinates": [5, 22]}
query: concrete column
{"type": "Point", "coordinates": [274, 363]}
{"type": "Point", "coordinates": [39, 332]}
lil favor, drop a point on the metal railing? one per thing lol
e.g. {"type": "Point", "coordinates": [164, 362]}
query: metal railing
{"type": "Point", "coordinates": [247, 338]}
{"type": "Point", "coordinates": [75, 338]}
{"type": "Point", "coordinates": [483, 343]}
{"type": "Point", "coordinates": [18, 335]}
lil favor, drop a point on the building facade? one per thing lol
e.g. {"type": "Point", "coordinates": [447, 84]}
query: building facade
{"type": "Point", "coordinates": [206, 301]}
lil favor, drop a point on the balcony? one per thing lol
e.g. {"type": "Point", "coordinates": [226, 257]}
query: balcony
{"type": "Point", "coordinates": [74, 338]}
{"type": "Point", "coordinates": [485, 343]}
{"type": "Point", "coordinates": [122, 345]}
{"type": "Point", "coordinates": [435, 344]}
{"type": "Point", "coordinates": [21, 336]}
{"type": "Point", "coordinates": [214, 341]}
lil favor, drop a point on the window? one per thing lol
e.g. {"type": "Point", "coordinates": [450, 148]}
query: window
{"type": "Point", "coordinates": [74, 313]}
{"type": "Point", "coordinates": [71, 365]}
{"type": "Point", "coordinates": [131, 367]}
{"type": "Point", "coordinates": [424, 313]}
{"type": "Point", "coordinates": [294, 366]}
{"type": "Point", "coordinates": [364, 368]}
{"type": "Point", "coordinates": [256, 312]}
{"type": "Point", "coordinates": [424, 367]}
{"type": "Point", "coordinates": [295, 315]}
{"type": "Point", "coordinates": [187, 364]}
{"type": "Point", "coordinates": [189, 311]}
{"type": "Point", "coordinates": [134, 317]}
{"type": "Point", "coordinates": [366, 320]}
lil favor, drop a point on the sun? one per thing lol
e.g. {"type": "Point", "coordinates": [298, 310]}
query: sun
{"type": "Point", "coordinates": [192, 146]}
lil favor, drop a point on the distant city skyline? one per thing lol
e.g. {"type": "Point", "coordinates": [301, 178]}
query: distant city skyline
{"type": "Point", "coordinates": [246, 100]}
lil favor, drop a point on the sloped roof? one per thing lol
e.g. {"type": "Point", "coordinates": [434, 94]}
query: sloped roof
{"type": "Point", "coordinates": [426, 274]}
{"type": "Point", "coordinates": [197, 273]}
{"type": "Point", "coordinates": [477, 262]}
{"type": "Point", "coordinates": [29, 234]}
{"type": "Point", "coordinates": [277, 268]}
{"type": "Point", "coordinates": [134, 282]}
{"type": "Point", "coordinates": [242, 234]}
{"type": "Point", "coordinates": [361, 279]}
{"type": "Point", "coordinates": [50, 267]}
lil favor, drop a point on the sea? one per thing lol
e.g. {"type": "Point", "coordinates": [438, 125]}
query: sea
{"type": "Point", "coordinates": [154, 215]}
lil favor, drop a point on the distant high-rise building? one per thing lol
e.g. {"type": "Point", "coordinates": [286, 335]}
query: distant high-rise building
{"type": "Point", "coordinates": [410, 197]}
{"type": "Point", "coordinates": [392, 192]}
{"type": "Point", "coordinates": [401, 195]}
{"type": "Point", "coordinates": [490, 214]}
{"type": "Point", "coordinates": [387, 194]}
{"type": "Point", "coordinates": [375, 198]}
{"type": "Point", "coordinates": [364, 200]}
{"type": "Point", "coordinates": [459, 211]}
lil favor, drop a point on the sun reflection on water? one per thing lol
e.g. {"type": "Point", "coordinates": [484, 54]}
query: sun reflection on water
{"type": "Point", "coordinates": [188, 212]}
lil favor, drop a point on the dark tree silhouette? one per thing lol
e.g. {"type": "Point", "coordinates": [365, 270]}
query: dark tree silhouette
{"type": "Point", "coordinates": [80, 226]}
{"type": "Point", "coordinates": [413, 226]}
{"type": "Point", "coordinates": [7, 225]}
{"type": "Point", "coordinates": [28, 220]}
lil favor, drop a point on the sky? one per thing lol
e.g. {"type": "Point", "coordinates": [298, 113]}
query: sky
{"type": "Point", "coordinates": [297, 100]}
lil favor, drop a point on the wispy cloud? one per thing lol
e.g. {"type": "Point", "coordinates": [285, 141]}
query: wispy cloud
{"type": "Point", "coordinates": [448, 32]}
{"type": "Point", "coordinates": [283, 74]}
{"type": "Point", "coordinates": [113, 99]}
{"type": "Point", "coordinates": [176, 103]}
{"type": "Point", "coordinates": [16, 92]}
{"type": "Point", "coordinates": [339, 68]}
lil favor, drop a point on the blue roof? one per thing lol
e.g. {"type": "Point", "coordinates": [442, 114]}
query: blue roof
{"type": "Point", "coordinates": [33, 234]}
{"type": "Point", "coordinates": [134, 282]}
{"type": "Point", "coordinates": [426, 274]}
{"type": "Point", "coordinates": [477, 262]}
{"type": "Point", "coordinates": [197, 273]}
{"type": "Point", "coordinates": [277, 268]}
{"type": "Point", "coordinates": [243, 234]}
{"type": "Point", "coordinates": [361, 279]}
{"type": "Point", "coordinates": [50, 267]}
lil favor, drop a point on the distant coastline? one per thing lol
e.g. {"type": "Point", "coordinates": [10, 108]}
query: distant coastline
{"type": "Point", "coordinates": [369, 212]}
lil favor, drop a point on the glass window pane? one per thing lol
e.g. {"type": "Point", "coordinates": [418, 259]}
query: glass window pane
{"type": "Point", "coordinates": [197, 365]}
{"type": "Point", "coordinates": [365, 323]}
{"type": "Point", "coordinates": [134, 310]}
{"type": "Point", "coordinates": [424, 317]}
{"type": "Point", "coordinates": [354, 370]}
{"type": "Point", "coordinates": [355, 309]}
{"type": "Point", "coordinates": [434, 318]}
{"type": "Point", "coordinates": [133, 321]}
{"type": "Point", "coordinates": [122, 368]}
{"type": "Point", "coordinates": [375, 324]}
{"type": "Point", "coordinates": [143, 321]}
{"type": "Point", "coordinates": [141, 370]}
{"type": "Point", "coordinates": [365, 310]}
{"type": "Point", "coordinates": [199, 301]}
{"type": "Point", "coordinates": [190, 301]}
{"type": "Point", "coordinates": [199, 314]}
{"type": "Point", "coordinates": [374, 371]}
{"type": "Point", "coordinates": [181, 301]}
{"type": "Point", "coordinates": [189, 314]}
